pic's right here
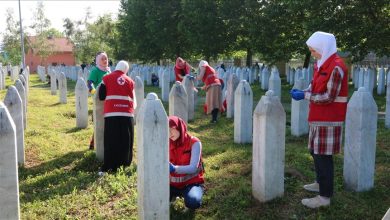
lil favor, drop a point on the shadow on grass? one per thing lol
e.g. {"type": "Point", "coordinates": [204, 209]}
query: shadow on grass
{"type": "Point", "coordinates": [181, 214]}
{"type": "Point", "coordinates": [75, 129]}
{"type": "Point", "coordinates": [41, 85]}
{"type": "Point", "coordinates": [75, 170]}
{"type": "Point", "coordinates": [55, 104]}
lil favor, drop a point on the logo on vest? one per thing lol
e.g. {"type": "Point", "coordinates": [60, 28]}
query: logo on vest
{"type": "Point", "coordinates": [120, 81]}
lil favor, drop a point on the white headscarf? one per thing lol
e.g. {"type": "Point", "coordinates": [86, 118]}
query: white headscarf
{"type": "Point", "coordinates": [122, 66]}
{"type": "Point", "coordinates": [203, 63]}
{"type": "Point", "coordinates": [323, 43]}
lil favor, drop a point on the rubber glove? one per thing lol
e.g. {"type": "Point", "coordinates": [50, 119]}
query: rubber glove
{"type": "Point", "coordinates": [93, 91]}
{"type": "Point", "coordinates": [298, 95]}
{"type": "Point", "coordinates": [293, 90]}
{"type": "Point", "coordinates": [171, 168]}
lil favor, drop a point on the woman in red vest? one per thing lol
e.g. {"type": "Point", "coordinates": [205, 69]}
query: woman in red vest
{"type": "Point", "coordinates": [181, 69]}
{"type": "Point", "coordinates": [327, 93]}
{"type": "Point", "coordinates": [185, 164]}
{"type": "Point", "coordinates": [117, 91]}
{"type": "Point", "coordinates": [213, 89]}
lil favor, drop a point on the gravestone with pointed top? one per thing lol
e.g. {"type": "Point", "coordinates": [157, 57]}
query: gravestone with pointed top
{"type": "Point", "coordinates": [63, 88]}
{"type": "Point", "coordinates": [275, 84]}
{"type": "Point", "coordinates": [98, 124]}
{"type": "Point", "coordinates": [165, 85]}
{"type": "Point", "coordinates": [188, 83]}
{"type": "Point", "coordinates": [231, 88]}
{"type": "Point", "coordinates": [9, 184]}
{"type": "Point", "coordinates": [53, 82]}
{"type": "Point", "coordinates": [22, 93]}
{"type": "Point", "coordinates": [243, 105]}
{"type": "Point", "coordinates": [269, 123]}
{"type": "Point", "coordinates": [139, 93]}
{"type": "Point", "coordinates": [152, 154]}
{"type": "Point", "coordinates": [381, 81]}
{"type": "Point", "coordinates": [387, 116]}
{"type": "Point", "coordinates": [178, 98]}
{"type": "Point", "coordinates": [360, 141]}
{"type": "Point", "coordinates": [14, 104]}
{"type": "Point", "coordinates": [81, 95]}
{"type": "Point", "coordinates": [299, 112]}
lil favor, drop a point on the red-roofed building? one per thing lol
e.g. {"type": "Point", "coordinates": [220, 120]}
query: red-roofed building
{"type": "Point", "coordinates": [61, 53]}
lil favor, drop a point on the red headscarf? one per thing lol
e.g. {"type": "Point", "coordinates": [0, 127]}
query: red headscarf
{"type": "Point", "coordinates": [180, 125]}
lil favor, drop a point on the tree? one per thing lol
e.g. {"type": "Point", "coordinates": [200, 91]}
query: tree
{"type": "Point", "coordinates": [41, 25]}
{"type": "Point", "coordinates": [11, 40]}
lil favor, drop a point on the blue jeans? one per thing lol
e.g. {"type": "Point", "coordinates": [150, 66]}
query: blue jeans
{"type": "Point", "coordinates": [192, 195]}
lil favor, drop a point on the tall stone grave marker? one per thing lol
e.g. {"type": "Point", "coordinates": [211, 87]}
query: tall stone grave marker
{"type": "Point", "coordinates": [9, 184]}
{"type": "Point", "coordinates": [360, 141]}
{"type": "Point", "coordinates": [53, 82]}
{"type": "Point", "coordinates": [98, 124]}
{"type": "Point", "coordinates": [152, 168]}
{"type": "Point", "coordinates": [139, 93]}
{"type": "Point", "coordinates": [188, 83]}
{"type": "Point", "coordinates": [387, 117]}
{"type": "Point", "coordinates": [299, 112]}
{"type": "Point", "coordinates": [81, 92]}
{"type": "Point", "coordinates": [178, 105]}
{"type": "Point", "coordinates": [22, 93]}
{"type": "Point", "coordinates": [243, 105]}
{"type": "Point", "coordinates": [381, 82]}
{"type": "Point", "coordinates": [231, 88]}
{"type": "Point", "coordinates": [63, 88]}
{"type": "Point", "coordinates": [165, 85]}
{"type": "Point", "coordinates": [14, 104]}
{"type": "Point", "coordinates": [275, 83]}
{"type": "Point", "coordinates": [269, 121]}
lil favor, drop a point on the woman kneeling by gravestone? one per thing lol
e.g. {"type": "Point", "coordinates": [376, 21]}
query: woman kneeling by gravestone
{"type": "Point", "coordinates": [185, 164]}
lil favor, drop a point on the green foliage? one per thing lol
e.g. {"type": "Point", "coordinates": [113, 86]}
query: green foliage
{"type": "Point", "coordinates": [11, 40]}
{"type": "Point", "coordinates": [60, 181]}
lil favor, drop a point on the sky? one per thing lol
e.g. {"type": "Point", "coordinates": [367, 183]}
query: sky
{"type": "Point", "coordinates": [56, 11]}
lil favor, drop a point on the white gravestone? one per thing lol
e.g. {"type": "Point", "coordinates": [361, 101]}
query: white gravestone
{"type": "Point", "coordinates": [62, 87]}
{"type": "Point", "coordinates": [22, 78]}
{"type": "Point", "coordinates": [153, 156]}
{"type": "Point", "coordinates": [275, 83]}
{"type": "Point", "coordinates": [299, 112]}
{"type": "Point", "coordinates": [81, 93]}
{"type": "Point", "coordinates": [98, 124]}
{"type": "Point", "coordinates": [22, 93]}
{"type": "Point", "coordinates": [15, 107]}
{"type": "Point", "coordinates": [381, 82]}
{"type": "Point", "coordinates": [188, 84]}
{"type": "Point", "coordinates": [243, 106]}
{"type": "Point", "coordinates": [387, 116]}
{"type": "Point", "coordinates": [269, 122]}
{"type": "Point", "coordinates": [231, 88]}
{"type": "Point", "coordinates": [1, 79]}
{"type": "Point", "coordinates": [178, 105]}
{"type": "Point", "coordinates": [139, 93]}
{"type": "Point", "coordinates": [53, 82]}
{"type": "Point", "coordinates": [9, 184]}
{"type": "Point", "coordinates": [165, 85]}
{"type": "Point", "coordinates": [360, 141]}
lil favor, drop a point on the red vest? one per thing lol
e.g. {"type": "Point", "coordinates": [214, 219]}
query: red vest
{"type": "Point", "coordinates": [335, 111]}
{"type": "Point", "coordinates": [182, 156]}
{"type": "Point", "coordinates": [179, 72]}
{"type": "Point", "coordinates": [210, 77]}
{"type": "Point", "coordinates": [119, 97]}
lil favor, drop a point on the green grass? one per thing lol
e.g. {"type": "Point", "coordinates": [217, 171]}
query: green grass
{"type": "Point", "coordinates": [60, 181]}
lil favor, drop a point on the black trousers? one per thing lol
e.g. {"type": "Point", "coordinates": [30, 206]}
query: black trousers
{"type": "Point", "coordinates": [324, 173]}
{"type": "Point", "coordinates": [118, 142]}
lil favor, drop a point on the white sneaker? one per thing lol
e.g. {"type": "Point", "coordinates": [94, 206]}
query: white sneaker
{"type": "Point", "coordinates": [314, 187]}
{"type": "Point", "coordinates": [316, 202]}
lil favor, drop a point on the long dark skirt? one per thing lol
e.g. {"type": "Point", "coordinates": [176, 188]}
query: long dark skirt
{"type": "Point", "coordinates": [118, 142]}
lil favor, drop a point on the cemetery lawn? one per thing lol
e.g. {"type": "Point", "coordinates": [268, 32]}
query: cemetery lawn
{"type": "Point", "coordinates": [59, 179]}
